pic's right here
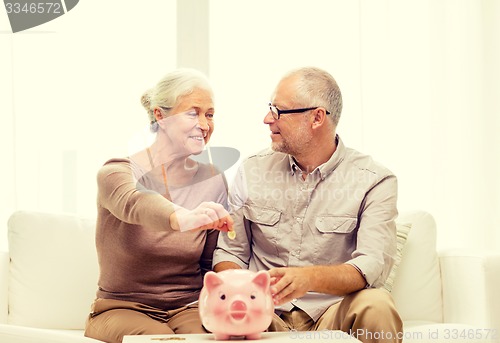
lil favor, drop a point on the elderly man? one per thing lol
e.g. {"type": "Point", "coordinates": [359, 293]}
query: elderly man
{"type": "Point", "coordinates": [318, 215]}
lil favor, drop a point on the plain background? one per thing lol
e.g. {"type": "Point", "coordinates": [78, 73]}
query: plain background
{"type": "Point", "coordinates": [420, 82]}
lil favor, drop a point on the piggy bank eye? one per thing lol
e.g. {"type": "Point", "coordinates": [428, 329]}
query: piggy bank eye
{"type": "Point", "coordinates": [223, 297]}
{"type": "Point", "coordinates": [252, 296]}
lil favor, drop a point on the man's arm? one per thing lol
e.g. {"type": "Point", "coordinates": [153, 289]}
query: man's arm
{"type": "Point", "coordinates": [294, 282]}
{"type": "Point", "coordinates": [371, 260]}
{"type": "Point", "coordinates": [225, 265]}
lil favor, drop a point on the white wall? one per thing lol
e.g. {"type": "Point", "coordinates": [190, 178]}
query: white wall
{"type": "Point", "coordinates": [71, 98]}
{"type": "Point", "coordinates": [7, 175]}
{"type": "Point", "coordinates": [419, 81]}
{"type": "Point", "coordinates": [254, 43]}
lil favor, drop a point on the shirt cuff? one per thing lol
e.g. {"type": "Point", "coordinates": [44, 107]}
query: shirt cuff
{"type": "Point", "coordinates": [221, 256]}
{"type": "Point", "coordinates": [369, 268]}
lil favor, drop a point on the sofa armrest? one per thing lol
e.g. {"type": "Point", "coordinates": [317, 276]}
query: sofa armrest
{"type": "Point", "coordinates": [471, 280]}
{"type": "Point", "coordinates": [4, 286]}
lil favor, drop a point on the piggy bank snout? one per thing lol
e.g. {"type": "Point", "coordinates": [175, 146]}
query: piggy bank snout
{"type": "Point", "coordinates": [238, 306]}
{"type": "Point", "coordinates": [238, 310]}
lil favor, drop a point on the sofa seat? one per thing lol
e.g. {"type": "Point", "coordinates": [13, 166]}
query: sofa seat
{"type": "Point", "coordinates": [48, 280]}
{"type": "Point", "coordinates": [23, 334]}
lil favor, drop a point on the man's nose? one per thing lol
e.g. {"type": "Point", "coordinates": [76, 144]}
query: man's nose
{"type": "Point", "coordinates": [269, 119]}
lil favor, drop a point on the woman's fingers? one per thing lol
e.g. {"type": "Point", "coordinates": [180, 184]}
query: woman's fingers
{"type": "Point", "coordinates": [208, 215]}
{"type": "Point", "coordinates": [221, 220]}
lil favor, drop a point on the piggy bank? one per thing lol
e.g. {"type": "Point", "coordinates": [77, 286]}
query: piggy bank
{"type": "Point", "coordinates": [236, 302]}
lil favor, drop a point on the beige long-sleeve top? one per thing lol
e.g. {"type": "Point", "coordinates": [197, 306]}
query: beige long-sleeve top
{"type": "Point", "coordinates": [141, 258]}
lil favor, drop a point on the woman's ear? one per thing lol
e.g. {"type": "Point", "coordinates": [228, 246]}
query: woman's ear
{"type": "Point", "coordinates": [159, 117]}
{"type": "Point", "coordinates": [158, 114]}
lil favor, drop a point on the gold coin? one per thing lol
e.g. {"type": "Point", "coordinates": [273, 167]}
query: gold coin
{"type": "Point", "coordinates": [231, 234]}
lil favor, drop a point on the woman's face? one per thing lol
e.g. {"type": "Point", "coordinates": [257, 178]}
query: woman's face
{"type": "Point", "coordinates": [190, 124]}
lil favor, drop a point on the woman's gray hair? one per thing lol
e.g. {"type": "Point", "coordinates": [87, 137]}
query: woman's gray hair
{"type": "Point", "coordinates": [316, 87]}
{"type": "Point", "coordinates": [170, 89]}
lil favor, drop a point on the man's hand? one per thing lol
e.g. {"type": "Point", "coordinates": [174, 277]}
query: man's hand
{"type": "Point", "coordinates": [294, 282]}
{"type": "Point", "coordinates": [289, 283]}
{"type": "Point", "coordinates": [208, 215]}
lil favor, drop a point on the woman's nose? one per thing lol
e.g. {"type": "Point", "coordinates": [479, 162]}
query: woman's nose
{"type": "Point", "coordinates": [203, 123]}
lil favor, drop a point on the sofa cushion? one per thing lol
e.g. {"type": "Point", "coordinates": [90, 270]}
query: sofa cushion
{"type": "Point", "coordinates": [417, 285]}
{"type": "Point", "coordinates": [402, 235]}
{"type": "Point", "coordinates": [53, 270]}
{"type": "Point", "coordinates": [21, 334]}
{"type": "Point", "coordinates": [4, 290]}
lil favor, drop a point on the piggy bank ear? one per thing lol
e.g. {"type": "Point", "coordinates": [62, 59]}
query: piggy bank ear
{"type": "Point", "coordinates": [262, 280]}
{"type": "Point", "coordinates": [211, 281]}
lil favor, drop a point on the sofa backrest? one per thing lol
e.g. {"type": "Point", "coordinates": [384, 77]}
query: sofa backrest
{"type": "Point", "coordinates": [53, 270]}
{"type": "Point", "coordinates": [417, 284]}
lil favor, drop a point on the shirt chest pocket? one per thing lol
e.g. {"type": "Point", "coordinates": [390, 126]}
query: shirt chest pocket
{"type": "Point", "coordinates": [262, 215]}
{"type": "Point", "coordinates": [330, 224]}
{"type": "Point", "coordinates": [335, 238]}
{"type": "Point", "coordinates": [264, 225]}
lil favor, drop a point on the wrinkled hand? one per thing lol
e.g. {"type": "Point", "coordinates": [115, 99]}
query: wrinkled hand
{"type": "Point", "coordinates": [289, 283]}
{"type": "Point", "coordinates": [208, 215]}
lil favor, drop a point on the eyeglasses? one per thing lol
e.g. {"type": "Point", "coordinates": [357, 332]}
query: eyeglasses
{"type": "Point", "coordinates": [276, 112]}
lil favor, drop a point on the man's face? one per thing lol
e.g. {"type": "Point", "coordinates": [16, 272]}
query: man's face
{"type": "Point", "coordinates": [291, 132]}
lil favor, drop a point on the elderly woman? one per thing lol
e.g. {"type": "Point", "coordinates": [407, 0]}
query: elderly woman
{"type": "Point", "coordinates": [159, 216]}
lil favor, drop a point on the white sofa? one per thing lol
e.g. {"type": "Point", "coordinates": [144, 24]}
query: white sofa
{"type": "Point", "coordinates": [48, 281]}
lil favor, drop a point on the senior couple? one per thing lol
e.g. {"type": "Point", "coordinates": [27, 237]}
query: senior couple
{"type": "Point", "coordinates": [322, 221]}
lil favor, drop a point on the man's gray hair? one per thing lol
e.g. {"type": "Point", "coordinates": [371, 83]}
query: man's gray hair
{"type": "Point", "coordinates": [316, 87]}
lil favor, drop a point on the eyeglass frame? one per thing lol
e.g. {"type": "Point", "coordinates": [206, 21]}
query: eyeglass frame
{"type": "Point", "coordinates": [295, 110]}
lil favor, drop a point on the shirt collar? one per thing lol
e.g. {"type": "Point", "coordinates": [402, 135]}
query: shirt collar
{"type": "Point", "coordinates": [329, 166]}
{"type": "Point", "coordinates": [293, 164]}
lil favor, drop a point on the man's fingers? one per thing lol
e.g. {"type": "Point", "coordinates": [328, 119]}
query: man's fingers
{"type": "Point", "coordinates": [279, 285]}
{"type": "Point", "coordinates": [284, 295]}
{"type": "Point", "coordinates": [273, 281]}
{"type": "Point", "coordinates": [277, 272]}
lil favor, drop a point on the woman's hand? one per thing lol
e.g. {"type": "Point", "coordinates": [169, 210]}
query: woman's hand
{"type": "Point", "coordinates": [208, 215]}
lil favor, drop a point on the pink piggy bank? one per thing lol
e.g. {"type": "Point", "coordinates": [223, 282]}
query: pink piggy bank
{"type": "Point", "coordinates": [236, 302]}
